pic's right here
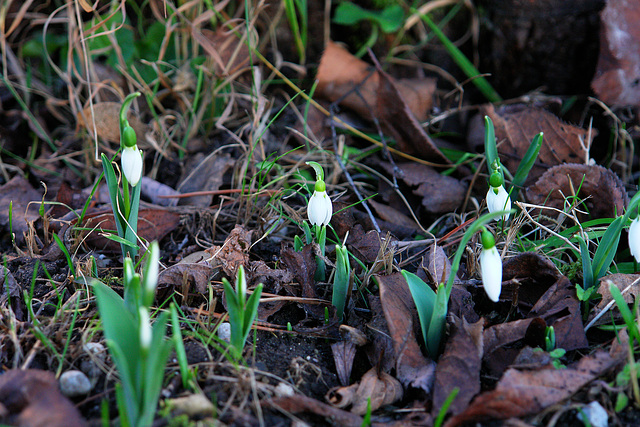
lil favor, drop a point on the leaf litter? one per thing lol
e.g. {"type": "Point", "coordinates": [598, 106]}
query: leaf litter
{"type": "Point", "coordinates": [213, 151]}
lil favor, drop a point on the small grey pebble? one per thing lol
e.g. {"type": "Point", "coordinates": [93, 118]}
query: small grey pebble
{"type": "Point", "coordinates": [74, 383]}
{"type": "Point", "coordinates": [224, 331]}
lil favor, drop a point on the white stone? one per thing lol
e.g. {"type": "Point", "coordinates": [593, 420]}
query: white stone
{"type": "Point", "coordinates": [74, 383]}
{"type": "Point", "coordinates": [284, 390]}
{"type": "Point", "coordinates": [596, 414]}
{"type": "Point", "coordinates": [224, 331]}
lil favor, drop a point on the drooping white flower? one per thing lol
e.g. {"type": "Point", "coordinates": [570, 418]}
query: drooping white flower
{"type": "Point", "coordinates": [498, 200]}
{"type": "Point", "coordinates": [319, 209]}
{"type": "Point", "coordinates": [490, 267]}
{"type": "Point", "coordinates": [131, 160]}
{"type": "Point", "coordinates": [145, 329]}
{"type": "Point", "coordinates": [634, 238]}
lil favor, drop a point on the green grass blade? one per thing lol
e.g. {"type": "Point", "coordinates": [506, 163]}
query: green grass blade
{"type": "Point", "coordinates": [526, 164]}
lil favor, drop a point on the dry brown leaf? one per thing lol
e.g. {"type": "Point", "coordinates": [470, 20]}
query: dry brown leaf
{"type": "Point", "coordinates": [459, 366]}
{"type": "Point", "coordinates": [515, 127]}
{"type": "Point", "coordinates": [402, 320]}
{"type": "Point", "coordinates": [340, 73]}
{"type": "Point", "coordinates": [107, 121]}
{"type": "Point", "coordinates": [560, 308]}
{"type": "Point", "coordinates": [298, 404]}
{"type": "Point", "coordinates": [630, 295]}
{"type": "Point", "coordinates": [618, 70]}
{"type": "Point", "coordinates": [31, 397]}
{"type": "Point", "coordinates": [439, 193]}
{"type": "Point", "coordinates": [521, 393]}
{"type": "Point", "coordinates": [382, 389]}
{"type": "Point", "coordinates": [19, 193]}
{"type": "Point", "coordinates": [234, 252]}
{"type": "Point", "coordinates": [604, 192]}
{"type": "Point", "coordinates": [185, 276]}
{"type": "Point", "coordinates": [153, 224]}
{"type": "Point", "coordinates": [435, 266]}
{"type": "Point", "coordinates": [228, 51]}
{"type": "Point", "coordinates": [343, 354]}
{"type": "Point", "coordinates": [207, 175]}
{"type": "Point", "coordinates": [302, 266]}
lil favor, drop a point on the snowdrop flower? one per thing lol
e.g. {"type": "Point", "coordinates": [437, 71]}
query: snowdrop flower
{"type": "Point", "coordinates": [320, 208]}
{"type": "Point", "coordinates": [497, 197]}
{"type": "Point", "coordinates": [634, 238]}
{"type": "Point", "coordinates": [131, 157]}
{"type": "Point", "coordinates": [490, 267]}
{"type": "Point", "coordinates": [145, 329]}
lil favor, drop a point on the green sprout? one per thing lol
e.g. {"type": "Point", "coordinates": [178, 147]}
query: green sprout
{"type": "Point", "coordinates": [242, 311]}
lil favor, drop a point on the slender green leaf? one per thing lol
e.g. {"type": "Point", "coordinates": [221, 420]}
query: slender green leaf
{"type": "Point", "coordinates": [526, 164]}
{"type": "Point", "coordinates": [425, 299]}
{"type": "Point", "coordinates": [438, 320]}
{"type": "Point", "coordinates": [587, 269]}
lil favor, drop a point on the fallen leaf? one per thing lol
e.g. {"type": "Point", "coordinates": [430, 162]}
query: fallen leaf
{"type": "Point", "coordinates": [185, 276]}
{"type": "Point", "coordinates": [234, 252]}
{"type": "Point", "coordinates": [515, 127]}
{"type": "Point", "coordinates": [560, 308]}
{"type": "Point", "coordinates": [343, 354]}
{"type": "Point", "coordinates": [435, 266]}
{"type": "Point", "coordinates": [19, 192]}
{"type": "Point", "coordinates": [618, 71]}
{"type": "Point", "coordinates": [603, 192]}
{"type": "Point", "coordinates": [297, 404]}
{"type": "Point", "coordinates": [376, 389]}
{"type": "Point", "coordinates": [397, 118]}
{"type": "Point", "coordinates": [439, 193]}
{"type": "Point", "coordinates": [107, 121]}
{"type": "Point", "coordinates": [627, 283]}
{"type": "Point", "coordinates": [31, 397]}
{"type": "Point", "coordinates": [157, 192]}
{"type": "Point", "coordinates": [153, 224]}
{"type": "Point", "coordinates": [342, 76]}
{"type": "Point", "coordinates": [303, 267]}
{"type": "Point", "coordinates": [207, 175]}
{"type": "Point", "coordinates": [534, 273]}
{"type": "Point", "coordinates": [389, 214]}
{"type": "Point", "coordinates": [459, 366]}
{"type": "Point", "coordinates": [527, 392]}
{"type": "Point", "coordinates": [412, 368]}
{"type": "Point", "coordinates": [229, 51]}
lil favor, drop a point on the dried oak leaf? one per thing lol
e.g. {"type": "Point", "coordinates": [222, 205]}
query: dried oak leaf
{"type": "Point", "coordinates": [342, 76]}
{"type": "Point", "coordinates": [617, 77]}
{"type": "Point", "coordinates": [459, 366]}
{"type": "Point", "coordinates": [629, 285]}
{"type": "Point", "coordinates": [439, 193]}
{"type": "Point", "coordinates": [515, 127]}
{"type": "Point", "coordinates": [107, 121]}
{"type": "Point", "coordinates": [521, 393]}
{"type": "Point", "coordinates": [412, 367]}
{"type": "Point", "coordinates": [31, 397]}
{"type": "Point", "coordinates": [378, 389]}
{"type": "Point", "coordinates": [234, 252]}
{"type": "Point", "coordinates": [604, 192]}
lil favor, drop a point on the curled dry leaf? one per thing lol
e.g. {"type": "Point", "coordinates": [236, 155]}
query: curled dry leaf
{"type": "Point", "coordinates": [515, 127]}
{"type": "Point", "coordinates": [340, 73]}
{"type": "Point", "coordinates": [616, 78]}
{"type": "Point", "coordinates": [343, 354]}
{"type": "Point", "coordinates": [298, 403]}
{"type": "Point", "coordinates": [381, 388]}
{"type": "Point", "coordinates": [107, 121]}
{"type": "Point", "coordinates": [603, 192]}
{"type": "Point", "coordinates": [629, 285]}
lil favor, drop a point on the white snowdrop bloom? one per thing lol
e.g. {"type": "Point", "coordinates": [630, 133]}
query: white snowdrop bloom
{"type": "Point", "coordinates": [320, 208]}
{"type": "Point", "coordinates": [145, 329]}
{"type": "Point", "coordinates": [131, 160]}
{"type": "Point", "coordinates": [498, 200]}
{"type": "Point", "coordinates": [490, 267]}
{"type": "Point", "coordinates": [634, 238]}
